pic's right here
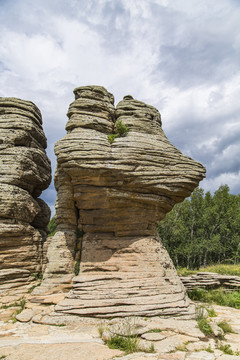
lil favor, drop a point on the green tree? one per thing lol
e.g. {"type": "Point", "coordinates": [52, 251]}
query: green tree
{"type": "Point", "coordinates": [52, 226]}
{"type": "Point", "coordinates": [203, 229]}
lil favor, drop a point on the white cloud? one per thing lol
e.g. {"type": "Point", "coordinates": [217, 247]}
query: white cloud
{"type": "Point", "coordinates": [180, 56]}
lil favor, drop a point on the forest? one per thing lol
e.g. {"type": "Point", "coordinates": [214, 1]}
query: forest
{"type": "Point", "coordinates": [203, 230]}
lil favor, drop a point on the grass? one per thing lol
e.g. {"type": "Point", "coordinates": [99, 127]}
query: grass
{"type": "Point", "coordinates": [209, 349]}
{"type": "Point", "coordinates": [128, 344]}
{"type": "Point", "coordinates": [9, 305]}
{"type": "Point", "coordinates": [224, 269]}
{"type": "Point", "coordinates": [3, 357]}
{"type": "Point", "coordinates": [101, 330]}
{"type": "Point", "coordinates": [204, 326]}
{"type": "Point", "coordinates": [226, 349]}
{"type": "Point", "coordinates": [22, 306]}
{"type": "Point", "coordinates": [203, 323]}
{"type": "Point", "coordinates": [30, 290]}
{"type": "Point", "coordinates": [181, 348]}
{"type": "Point", "coordinates": [125, 338]}
{"type": "Point", "coordinates": [225, 327]}
{"type": "Point", "coordinates": [219, 297]}
{"type": "Point", "coordinates": [211, 312]}
{"type": "Point", "coordinates": [154, 330]}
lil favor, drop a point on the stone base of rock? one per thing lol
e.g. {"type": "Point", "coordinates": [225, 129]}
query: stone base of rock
{"type": "Point", "coordinates": [34, 336]}
{"type": "Point", "coordinates": [125, 277]}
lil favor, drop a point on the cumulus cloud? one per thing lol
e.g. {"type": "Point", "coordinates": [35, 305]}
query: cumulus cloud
{"type": "Point", "coordinates": [180, 56]}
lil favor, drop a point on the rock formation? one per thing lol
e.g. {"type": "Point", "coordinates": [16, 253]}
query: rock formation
{"type": "Point", "coordinates": [112, 192]}
{"type": "Point", "coordinates": [25, 171]}
{"type": "Point", "coordinates": [208, 280]}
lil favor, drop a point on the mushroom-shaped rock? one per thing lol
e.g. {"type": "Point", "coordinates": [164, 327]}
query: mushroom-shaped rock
{"type": "Point", "coordinates": [25, 171]}
{"type": "Point", "coordinates": [112, 192]}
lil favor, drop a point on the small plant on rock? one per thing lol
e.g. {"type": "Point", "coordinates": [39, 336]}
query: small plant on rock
{"type": "Point", "coordinates": [121, 130]}
{"type": "Point", "coordinates": [225, 327]}
{"type": "Point", "coordinates": [77, 267]}
{"type": "Point", "coordinates": [155, 330]}
{"type": "Point", "coordinates": [22, 306]}
{"type": "Point", "coordinates": [226, 349]}
{"type": "Point", "coordinates": [211, 312]}
{"type": "Point", "coordinates": [125, 337]}
{"type": "Point", "coordinates": [203, 323]}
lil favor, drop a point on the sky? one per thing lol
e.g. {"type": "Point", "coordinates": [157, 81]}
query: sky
{"type": "Point", "coordinates": [181, 56]}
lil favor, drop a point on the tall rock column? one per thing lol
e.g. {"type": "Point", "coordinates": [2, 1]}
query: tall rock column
{"type": "Point", "coordinates": [112, 192]}
{"type": "Point", "coordinates": [25, 171]}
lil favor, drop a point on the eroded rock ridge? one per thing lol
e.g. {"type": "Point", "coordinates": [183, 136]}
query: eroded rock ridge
{"type": "Point", "coordinates": [111, 196]}
{"type": "Point", "coordinates": [25, 171]}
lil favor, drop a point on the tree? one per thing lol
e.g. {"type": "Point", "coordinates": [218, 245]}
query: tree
{"type": "Point", "coordinates": [203, 229]}
{"type": "Point", "coordinates": [52, 226]}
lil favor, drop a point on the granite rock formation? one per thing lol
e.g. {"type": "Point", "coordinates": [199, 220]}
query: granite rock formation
{"type": "Point", "coordinates": [111, 196]}
{"type": "Point", "coordinates": [25, 171]}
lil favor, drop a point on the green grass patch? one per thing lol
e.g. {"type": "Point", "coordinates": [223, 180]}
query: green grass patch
{"type": "Point", "coordinates": [9, 305]}
{"type": "Point", "coordinates": [219, 297]}
{"type": "Point", "coordinates": [211, 312]}
{"type": "Point", "coordinates": [181, 348]}
{"type": "Point", "coordinates": [154, 330]}
{"type": "Point", "coordinates": [204, 326]}
{"type": "Point", "coordinates": [209, 349]}
{"type": "Point", "coordinates": [226, 349]}
{"type": "Point", "coordinates": [224, 269]}
{"type": "Point", "coordinates": [128, 344]}
{"type": "Point", "coordinates": [225, 327]}
{"type": "Point", "coordinates": [18, 311]}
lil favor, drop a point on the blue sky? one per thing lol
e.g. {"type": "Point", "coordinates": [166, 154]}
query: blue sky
{"type": "Point", "coordinates": [181, 56]}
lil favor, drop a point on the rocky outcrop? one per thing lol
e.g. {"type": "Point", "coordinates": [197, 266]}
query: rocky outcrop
{"type": "Point", "coordinates": [112, 192]}
{"type": "Point", "coordinates": [25, 172]}
{"type": "Point", "coordinates": [210, 280]}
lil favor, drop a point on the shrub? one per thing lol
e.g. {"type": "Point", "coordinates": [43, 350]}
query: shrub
{"type": "Point", "coordinates": [204, 326]}
{"type": "Point", "coordinates": [121, 130]}
{"type": "Point", "coordinates": [76, 267]}
{"type": "Point", "coordinates": [226, 349]}
{"type": "Point", "coordinates": [211, 312]}
{"type": "Point", "coordinates": [52, 226]}
{"type": "Point", "coordinates": [225, 327]}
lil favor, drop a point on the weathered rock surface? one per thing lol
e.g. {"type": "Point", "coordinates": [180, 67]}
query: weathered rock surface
{"type": "Point", "coordinates": [110, 198]}
{"type": "Point", "coordinates": [79, 337]}
{"type": "Point", "coordinates": [25, 172]}
{"type": "Point", "coordinates": [210, 280]}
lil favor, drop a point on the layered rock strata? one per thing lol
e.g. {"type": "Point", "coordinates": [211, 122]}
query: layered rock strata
{"type": "Point", "coordinates": [208, 280]}
{"type": "Point", "coordinates": [25, 171]}
{"type": "Point", "coordinates": [111, 196]}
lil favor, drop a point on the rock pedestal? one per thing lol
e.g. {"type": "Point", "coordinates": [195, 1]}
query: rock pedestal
{"type": "Point", "coordinates": [112, 192]}
{"type": "Point", "coordinates": [25, 172]}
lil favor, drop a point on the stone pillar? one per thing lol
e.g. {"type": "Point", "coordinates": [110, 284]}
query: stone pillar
{"type": "Point", "coordinates": [119, 187]}
{"type": "Point", "coordinates": [25, 171]}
